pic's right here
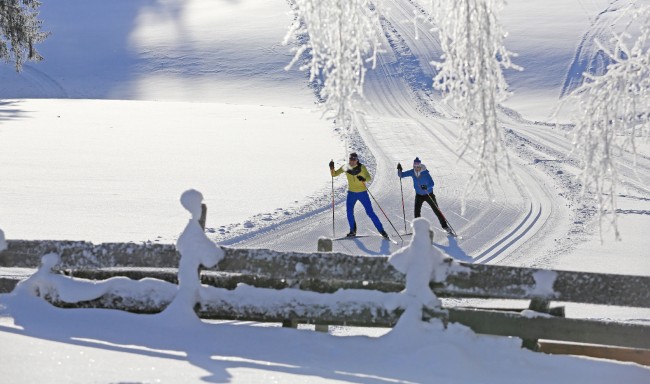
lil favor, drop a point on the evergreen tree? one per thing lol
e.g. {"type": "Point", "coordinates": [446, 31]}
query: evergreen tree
{"type": "Point", "coordinates": [20, 31]}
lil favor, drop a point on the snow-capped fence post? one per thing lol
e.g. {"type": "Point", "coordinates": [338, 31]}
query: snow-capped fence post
{"type": "Point", "coordinates": [422, 264]}
{"type": "Point", "coordinates": [38, 284]}
{"type": "Point", "coordinates": [541, 305]}
{"type": "Point", "coordinates": [196, 249]}
{"type": "Point", "coordinates": [541, 302]}
{"type": "Point", "coordinates": [324, 244]}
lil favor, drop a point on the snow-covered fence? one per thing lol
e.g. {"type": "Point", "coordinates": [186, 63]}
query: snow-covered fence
{"type": "Point", "coordinates": [334, 288]}
{"type": "Point", "coordinates": [327, 272]}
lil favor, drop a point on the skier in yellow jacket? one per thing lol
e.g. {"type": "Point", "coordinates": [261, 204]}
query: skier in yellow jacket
{"type": "Point", "coordinates": [357, 175]}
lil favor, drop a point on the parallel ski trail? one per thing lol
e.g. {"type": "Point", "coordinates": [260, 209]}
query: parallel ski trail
{"type": "Point", "coordinates": [400, 123]}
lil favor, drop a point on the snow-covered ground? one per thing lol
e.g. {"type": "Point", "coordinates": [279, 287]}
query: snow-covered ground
{"type": "Point", "coordinates": [138, 101]}
{"type": "Point", "coordinates": [88, 169]}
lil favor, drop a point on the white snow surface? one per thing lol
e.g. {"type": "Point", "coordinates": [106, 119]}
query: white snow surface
{"type": "Point", "coordinates": [544, 281]}
{"type": "Point", "coordinates": [138, 101]}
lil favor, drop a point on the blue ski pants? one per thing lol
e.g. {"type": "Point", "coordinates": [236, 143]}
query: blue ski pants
{"type": "Point", "coordinates": [364, 198]}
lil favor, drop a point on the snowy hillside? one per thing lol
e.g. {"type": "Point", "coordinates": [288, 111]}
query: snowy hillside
{"type": "Point", "coordinates": [590, 57]}
{"type": "Point", "coordinates": [170, 50]}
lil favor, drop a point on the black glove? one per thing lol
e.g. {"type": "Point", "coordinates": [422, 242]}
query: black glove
{"type": "Point", "coordinates": [361, 178]}
{"type": "Point", "coordinates": [332, 164]}
{"type": "Point", "coordinates": [423, 186]}
{"type": "Point", "coordinates": [399, 167]}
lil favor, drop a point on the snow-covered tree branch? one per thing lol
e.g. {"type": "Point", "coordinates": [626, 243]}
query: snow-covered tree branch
{"type": "Point", "coordinates": [470, 74]}
{"type": "Point", "coordinates": [20, 31]}
{"type": "Point", "coordinates": [613, 111]}
{"type": "Point", "coordinates": [340, 37]}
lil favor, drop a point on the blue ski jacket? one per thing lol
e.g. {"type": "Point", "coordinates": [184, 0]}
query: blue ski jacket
{"type": "Point", "coordinates": [423, 180]}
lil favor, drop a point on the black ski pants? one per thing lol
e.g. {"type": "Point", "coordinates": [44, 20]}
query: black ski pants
{"type": "Point", "coordinates": [431, 200]}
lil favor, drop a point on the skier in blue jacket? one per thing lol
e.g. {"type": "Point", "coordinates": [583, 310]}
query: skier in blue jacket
{"type": "Point", "coordinates": [423, 184]}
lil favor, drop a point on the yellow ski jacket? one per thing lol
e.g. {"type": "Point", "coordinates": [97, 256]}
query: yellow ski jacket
{"type": "Point", "coordinates": [354, 185]}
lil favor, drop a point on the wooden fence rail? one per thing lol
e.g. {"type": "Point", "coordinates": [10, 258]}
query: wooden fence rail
{"type": "Point", "coordinates": [328, 273]}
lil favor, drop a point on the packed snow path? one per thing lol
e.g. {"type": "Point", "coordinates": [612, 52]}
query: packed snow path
{"type": "Point", "coordinates": [403, 121]}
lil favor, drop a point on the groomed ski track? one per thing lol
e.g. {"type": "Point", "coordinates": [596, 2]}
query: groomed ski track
{"type": "Point", "coordinates": [405, 119]}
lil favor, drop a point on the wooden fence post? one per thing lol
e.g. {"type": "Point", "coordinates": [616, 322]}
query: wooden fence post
{"type": "Point", "coordinates": [290, 323]}
{"type": "Point", "coordinates": [542, 305]}
{"type": "Point", "coordinates": [204, 215]}
{"type": "Point", "coordinates": [324, 244]}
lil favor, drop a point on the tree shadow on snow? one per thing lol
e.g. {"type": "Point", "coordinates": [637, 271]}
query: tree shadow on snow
{"type": "Point", "coordinates": [215, 348]}
{"type": "Point", "coordinates": [454, 250]}
{"type": "Point", "coordinates": [90, 54]}
{"type": "Point", "coordinates": [9, 110]}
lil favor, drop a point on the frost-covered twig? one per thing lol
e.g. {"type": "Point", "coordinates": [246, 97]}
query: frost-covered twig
{"type": "Point", "coordinates": [613, 111]}
{"type": "Point", "coordinates": [470, 74]}
{"type": "Point", "coordinates": [339, 37]}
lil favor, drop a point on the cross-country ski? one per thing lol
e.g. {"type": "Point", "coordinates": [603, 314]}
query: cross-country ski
{"type": "Point", "coordinates": [350, 237]}
{"type": "Point", "coordinates": [356, 237]}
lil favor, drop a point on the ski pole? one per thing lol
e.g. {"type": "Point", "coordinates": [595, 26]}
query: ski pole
{"type": "Point", "coordinates": [402, 190]}
{"type": "Point", "coordinates": [333, 231]}
{"type": "Point", "coordinates": [382, 211]}
{"type": "Point", "coordinates": [441, 214]}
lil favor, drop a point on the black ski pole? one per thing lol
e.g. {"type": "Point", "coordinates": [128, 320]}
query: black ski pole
{"type": "Point", "coordinates": [333, 231]}
{"type": "Point", "coordinates": [399, 167]}
{"type": "Point", "coordinates": [441, 214]}
{"type": "Point", "coordinates": [382, 211]}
